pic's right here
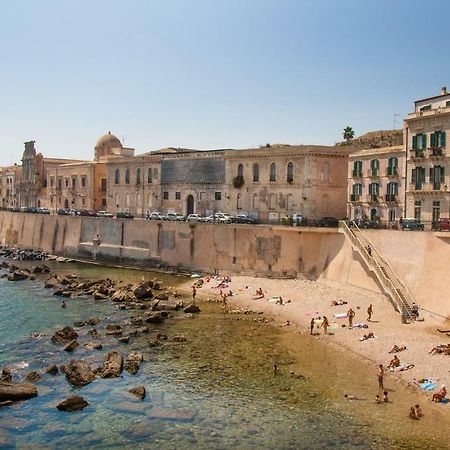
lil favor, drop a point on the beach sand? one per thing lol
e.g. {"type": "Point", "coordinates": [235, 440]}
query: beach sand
{"type": "Point", "coordinates": [304, 299]}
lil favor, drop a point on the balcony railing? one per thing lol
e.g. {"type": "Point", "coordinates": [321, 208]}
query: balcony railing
{"type": "Point", "coordinates": [374, 198]}
{"type": "Point", "coordinates": [391, 197]}
{"type": "Point", "coordinates": [436, 152]}
{"type": "Point", "coordinates": [357, 173]}
{"type": "Point", "coordinates": [417, 153]}
{"type": "Point", "coordinates": [436, 186]}
{"type": "Point", "coordinates": [417, 186]}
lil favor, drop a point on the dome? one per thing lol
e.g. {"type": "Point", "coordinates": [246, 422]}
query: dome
{"type": "Point", "coordinates": [108, 140]}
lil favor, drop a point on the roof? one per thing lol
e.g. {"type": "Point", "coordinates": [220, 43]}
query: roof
{"type": "Point", "coordinates": [109, 140]}
{"type": "Point", "coordinates": [377, 151]}
{"type": "Point", "coordinates": [432, 98]}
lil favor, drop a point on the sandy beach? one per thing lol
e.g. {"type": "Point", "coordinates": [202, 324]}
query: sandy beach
{"type": "Point", "coordinates": [304, 299]}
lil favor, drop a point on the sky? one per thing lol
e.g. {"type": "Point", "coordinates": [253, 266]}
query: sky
{"type": "Point", "coordinates": [211, 74]}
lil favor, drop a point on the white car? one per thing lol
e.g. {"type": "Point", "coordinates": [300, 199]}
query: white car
{"type": "Point", "coordinates": [155, 216]}
{"type": "Point", "coordinates": [175, 217]}
{"type": "Point", "coordinates": [104, 214]}
{"type": "Point", "coordinates": [195, 218]}
{"type": "Point", "coordinates": [219, 218]}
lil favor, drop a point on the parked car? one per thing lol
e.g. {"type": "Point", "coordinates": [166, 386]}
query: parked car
{"type": "Point", "coordinates": [87, 212]}
{"type": "Point", "coordinates": [63, 212]}
{"type": "Point", "coordinates": [104, 214]}
{"type": "Point", "coordinates": [219, 218]}
{"type": "Point", "coordinates": [155, 216]}
{"type": "Point", "coordinates": [364, 224]}
{"type": "Point", "coordinates": [411, 224]}
{"type": "Point", "coordinates": [175, 217]}
{"type": "Point", "coordinates": [124, 215]}
{"type": "Point", "coordinates": [328, 222]}
{"type": "Point", "coordinates": [443, 224]}
{"type": "Point", "coordinates": [195, 218]}
{"type": "Point", "coordinates": [245, 218]}
{"type": "Point", "coordinates": [43, 211]}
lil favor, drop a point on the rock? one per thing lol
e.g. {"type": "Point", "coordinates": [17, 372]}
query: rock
{"type": "Point", "coordinates": [66, 294]}
{"type": "Point", "coordinates": [16, 391]}
{"type": "Point", "coordinates": [113, 329]}
{"type": "Point", "coordinates": [99, 296]}
{"type": "Point", "coordinates": [113, 365]}
{"type": "Point", "coordinates": [36, 269]}
{"type": "Point", "coordinates": [79, 324]}
{"type": "Point", "coordinates": [133, 362]}
{"type": "Point", "coordinates": [155, 317]}
{"type": "Point", "coordinates": [142, 330]}
{"type": "Point", "coordinates": [143, 291]}
{"type": "Point", "coordinates": [162, 296]}
{"type": "Point", "coordinates": [94, 345]}
{"type": "Point", "coordinates": [71, 346]}
{"type": "Point", "coordinates": [191, 308]}
{"type": "Point", "coordinates": [7, 403]}
{"type": "Point", "coordinates": [79, 373]}
{"type": "Point", "coordinates": [74, 403]}
{"type": "Point", "coordinates": [65, 334]}
{"type": "Point", "coordinates": [124, 339]}
{"type": "Point", "coordinates": [32, 377]}
{"type": "Point", "coordinates": [138, 391]}
{"type": "Point", "coordinates": [154, 342]}
{"type": "Point", "coordinates": [93, 321]}
{"type": "Point", "coordinates": [52, 370]}
{"type": "Point", "coordinates": [179, 338]}
{"type": "Point", "coordinates": [17, 276]}
{"type": "Point", "coordinates": [49, 284]}
{"type": "Point", "coordinates": [6, 375]}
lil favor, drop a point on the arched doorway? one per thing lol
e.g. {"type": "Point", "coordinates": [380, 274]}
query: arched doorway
{"type": "Point", "coordinates": [190, 205]}
{"type": "Point", "coordinates": [373, 213]}
{"type": "Point", "coordinates": [66, 203]}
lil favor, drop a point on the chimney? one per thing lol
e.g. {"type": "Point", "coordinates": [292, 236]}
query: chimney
{"type": "Point", "coordinates": [444, 90]}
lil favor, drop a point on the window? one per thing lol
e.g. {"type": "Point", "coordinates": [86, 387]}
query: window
{"type": "Point", "coordinates": [127, 176]}
{"type": "Point", "coordinates": [138, 176]}
{"type": "Point", "coordinates": [437, 177]}
{"type": "Point", "coordinates": [393, 166]}
{"type": "Point", "coordinates": [83, 202]}
{"type": "Point", "coordinates": [240, 170]}
{"type": "Point", "coordinates": [74, 183]}
{"type": "Point", "coordinates": [418, 177]}
{"type": "Point", "coordinates": [374, 190]}
{"type": "Point", "coordinates": [117, 176]}
{"type": "Point", "coordinates": [272, 201]}
{"type": "Point", "coordinates": [392, 215]}
{"type": "Point", "coordinates": [177, 195]}
{"type": "Point", "coordinates": [392, 188]}
{"type": "Point", "coordinates": [357, 189]}
{"type": "Point", "coordinates": [255, 173]}
{"type": "Point", "coordinates": [419, 142]}
{"type": "Point", "coordinates": [436, 210]}
{"type": "Point", "coordinates": [83, 181]}
{"type": "Point", "coordinates": [273, 172]}
{"type": "Point", "coordinates": [217, 195]}
{"type": "Point", "coordinates": [290, 173]}
{"type": "Point", "coordinates": [149, 175]}
{"type": "Point", "coordinates": [116, 199]}
{"type": "Point", "coordinates": [417, 209]}
{"type": "Point", "coordinates": [127, 199]}
{"type": "Point", "coordinates": [239, 201]}
{"type": "Point", "coordinates": [52, 182]}
{"type": "Point", "coordinates": [255, 202]}
{"type": "Point", "coordinates": [357, 169]}
{"type": "Point", "coordinates": [374, 166]}
{"type": "Point", "coordinates": [66, 182]}
{"type": "Point", "coordinates": [166, 195]}
{"type": "Point", "coordinates": [325, 175]}
{"type": "Point", "coordinates": [103, 185]}
{"type": "Point", "coordinates": [437, 139]}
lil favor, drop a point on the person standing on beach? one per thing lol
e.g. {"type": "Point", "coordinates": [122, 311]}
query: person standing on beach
{"type": "Point", "coordinates": [325, 325]}
{"type": "Point", "coordinates": [350, 315]}
{"type": "Point", "coordinates": [311, 326]}
{"type": "Point", "coordinates": [194, 292]}
{"type": "Point", "coordinates": [381, 377]}
{"type": "Point", "coordinates": [369, 312]}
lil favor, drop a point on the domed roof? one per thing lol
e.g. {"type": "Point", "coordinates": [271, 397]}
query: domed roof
{"type": "Point", "coordinates": [108, 140]}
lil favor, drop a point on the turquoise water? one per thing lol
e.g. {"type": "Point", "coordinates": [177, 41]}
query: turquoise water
{"type": "Point", "coordinates": [217, 390]}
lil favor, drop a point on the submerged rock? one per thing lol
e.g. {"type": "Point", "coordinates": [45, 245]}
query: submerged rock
{"type": "Point", "coordinates": [33, 377]}
{"type": "Point", "coordinates": [113, 365]}
{"type": "Point", "coordinates": [93, 345]}
{"type": "Point", "coordinates": [79, 373]}
{"type": "Point", "coordinates": [138, 391]}
{"type": "Point", "coordinates": [65, 334]}
{"type": "Point", "coordinates": [74, 403]}
{"type": "Point", "coordinates": [71, 346]}
{"type": "Point", "coordinates": [16, 391]}
{"type": "Point", "coordinates": [52, 370]}
{"type": "Point", "coordinates": [155, 317]}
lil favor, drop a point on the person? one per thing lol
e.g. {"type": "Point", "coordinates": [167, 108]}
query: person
{"type": "Point", "coordinates": [350, 397]}
{"type": "Point", "coordinates": [350, 315]}
{"type": "Point", "coordinates": [325, 325]}
{"type": "Point", "coordinates": [258, 294]}
{"type": "Point", "coordinates": [279, 301]}
{"type": "Point", "coordinates": [275, 369]}
{"type": "Point", "coordinates": [338, 302]}
{"type": "Point", "coordinates": [369, 312]}
{"type": "Point", "coordinates": [311, 326]}
{"type": "Point", "coordinates": [377, 399]}
{"type": "Point", "coordinates": [418, 411]}
{"type": "Point", "coordinates": [287, 323]}
{"type": "Point", "coordinates": [380, 376]}
{"type": "Point", "coordinates": [396, 348]}
{"type": "Point", "coordinates": [413, 414]}
{"type": "Point", "coordinates": [395, 362]}
{"type": "Point", "coordinates": [440, 395]}
{"type": "Point", "coordinates": [367, 336]}
{"type": "Point", "coordinates": [369, 250]}
{"type": "Point", "coordinates": [385, 397]}
{"type": "Point", "coordinates": [230, 293]}
{"type": "Point", "coordinates": [415, 310]}
{"type": "Point", "coordinates": [63, 304]}
{"type": "Point", "coordinates": [94, 333]}
{"type": "Point", "coordinates": [194, 292]}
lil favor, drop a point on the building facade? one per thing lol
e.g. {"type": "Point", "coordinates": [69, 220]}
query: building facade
{"type": "Point", "coordinates": [9, 177]}
{"type": "Point", "coordinates": [428, 162]}
{"type": "Point", "coordinates": [269, 182]}
{"type": "Point", "coordinates": [376, 184]}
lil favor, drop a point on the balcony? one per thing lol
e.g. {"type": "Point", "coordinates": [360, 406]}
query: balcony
{"type": "Point", "coordinates": [392, 172]}
{"type": "Point", "coordinates": [355, 197]}
{"type": "Point", "coordinates": [391, 198]}
{"type": "Point", "coordinates": [373, 198]}
{"type": "Point", "coordinates": [436, 186]}
{"type": "Point", "coordinates": [373, 173]}
{"type": "Point", "coordinates": [417, 153]}
{"type": "Point", "coordinates": [428, 113]}
{"type": "Point", "coordinates": [357, 173]}
{"type": "Point", "coordinates": [436, 152]}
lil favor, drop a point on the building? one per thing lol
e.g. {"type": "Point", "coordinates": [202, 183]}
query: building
{"type": "Point", "coordinates": [83, 184]}
{"type": "Point", "coordinates": [376, 184]}
{"type": "Point", "coordinates": [9, 177]}
{"type": "Point", "coordinates": [428, 163]}
{"type": "Point", "coordinates": [269, 182]}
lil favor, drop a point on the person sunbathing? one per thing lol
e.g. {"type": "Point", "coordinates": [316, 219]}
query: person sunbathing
{"type": "Point", "coordinates": [258, 294]}
{"type": "Point", "coordinates": [367, 336]}
{"type": "Point", "coordinates": [439, 396]}
{"type": "Point", "coordinates": [413, 413]}
{"type": "Point", "coordinates": [396, 349]}
{"type": "Point", "coordinates": [442, 348]}
{"type": "Point", "coordinates": [418, 411]}
{"type": "Point", "coordinates": [395, 362]}
{"type": "Point", "coordinates": [279, 301]}
{"type": "Point", "coordinates": [338, 302]}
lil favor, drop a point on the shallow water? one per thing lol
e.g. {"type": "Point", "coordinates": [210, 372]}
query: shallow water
{"type": "Point", "coordinates": [217, 390]}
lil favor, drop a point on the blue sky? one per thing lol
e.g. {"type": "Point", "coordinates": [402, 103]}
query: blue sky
{"type": "Point", "coordinates": [212, 73]}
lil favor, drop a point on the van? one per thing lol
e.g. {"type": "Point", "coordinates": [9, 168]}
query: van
{"type": "Point", "coordinates": [411, 224]}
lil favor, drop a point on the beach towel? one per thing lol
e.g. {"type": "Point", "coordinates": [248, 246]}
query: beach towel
{"type": "Point", "coordinates": [427, 386]}
{"type": "Point", "coordinates": [360, 325]}
{"type": "Point", "coordinates": [340, 315]}
{"type": "Point", "coordinates": [444, 400]}
{"type": "Point", "coordinates": [402, 367]}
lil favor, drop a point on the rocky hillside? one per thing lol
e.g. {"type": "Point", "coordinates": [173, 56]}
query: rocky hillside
{"type": "Point", "coordinates": [377, 139]}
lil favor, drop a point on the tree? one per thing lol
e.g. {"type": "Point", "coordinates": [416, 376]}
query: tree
{"type": "Point", "coordinates": [348, 134]}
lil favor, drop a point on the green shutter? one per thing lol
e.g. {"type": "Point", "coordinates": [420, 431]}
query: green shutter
{"type": "Point", "coordinates": [396, 188]}
{"type": "Point", "coordinates": [433, 140]}
{"type": "Point", "coordinates": [443, 139]}
{"type": "Point", "coordinates": [413, 175]}
{"type": "Point", "coordinates": [424, 141]}
{"type": "Point", "coordinates": [442, 175]}
{"type": "Point", "coordinates": [431, 174]}
{"type": "Point", "coordinates": [414, 142]}
{"type": "Point", "coordinates": [376, 163]}
{"type": "Point", "coordinates": [422, 177]}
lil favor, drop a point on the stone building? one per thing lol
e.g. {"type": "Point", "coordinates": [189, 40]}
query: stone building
{"type": "Point", "coordinates": [83, 184]}
{"type": "Point", "coordinates": [269, 182]}
{"type": "Point", "coordinates": [376, 184]}
{"type": "Point", "coordinates": [9, 177]}
{"type": "Point", "coordinates": [428, 164]}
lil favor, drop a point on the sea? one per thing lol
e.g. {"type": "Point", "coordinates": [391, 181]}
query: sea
{"type": "Point", "coordinates": [216, 390]}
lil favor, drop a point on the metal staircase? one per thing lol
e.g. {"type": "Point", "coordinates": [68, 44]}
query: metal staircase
{"type": "Point", "coordinates": [393, 287]}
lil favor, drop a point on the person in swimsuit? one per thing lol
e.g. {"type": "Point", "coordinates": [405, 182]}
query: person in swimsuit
{"type": "Point", "coordinates": [380, 376]}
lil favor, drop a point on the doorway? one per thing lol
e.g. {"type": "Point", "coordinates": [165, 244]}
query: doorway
{"type": "Point", "coordinates": [190, 205]}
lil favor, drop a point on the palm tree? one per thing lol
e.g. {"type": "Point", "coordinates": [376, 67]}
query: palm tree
{"type": "Point", "coordinates": [348, 134]}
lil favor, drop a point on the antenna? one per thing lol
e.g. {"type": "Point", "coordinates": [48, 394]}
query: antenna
{"type": "Point", "coordinates": [395, 120]}
{"type": "Point", "coordinates": [123, 140]}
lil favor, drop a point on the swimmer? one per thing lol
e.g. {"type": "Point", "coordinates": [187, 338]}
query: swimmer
{"type": "Point", "coordinates": [63, 304]}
